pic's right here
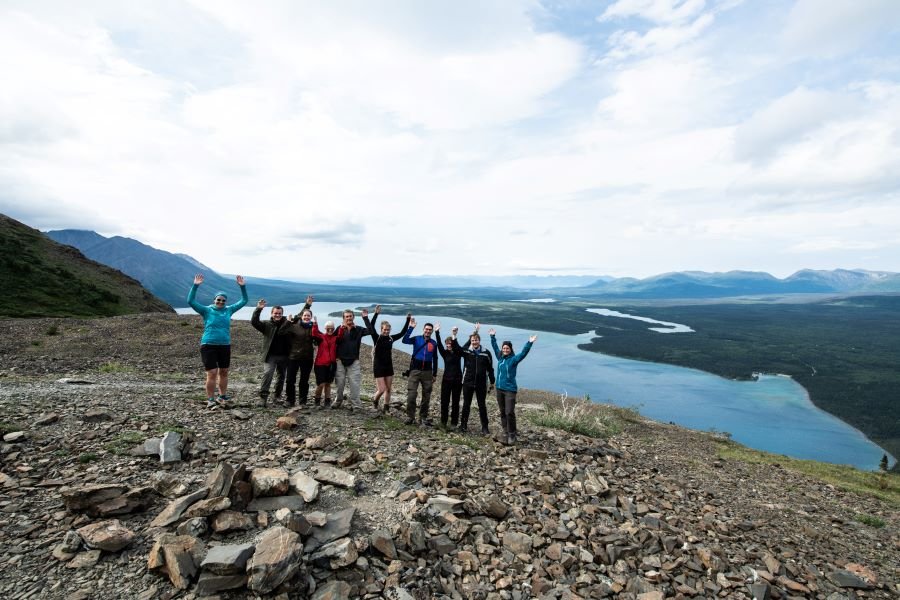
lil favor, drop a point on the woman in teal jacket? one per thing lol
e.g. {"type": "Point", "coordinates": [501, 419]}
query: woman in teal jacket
{"type": "Point", "coordinates": [215, 345]}
{"type": "Point", "coordinates": [507, 363]}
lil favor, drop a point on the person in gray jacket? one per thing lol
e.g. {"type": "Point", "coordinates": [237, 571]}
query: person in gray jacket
{"type": "Point", "coordinates": [275, 350]}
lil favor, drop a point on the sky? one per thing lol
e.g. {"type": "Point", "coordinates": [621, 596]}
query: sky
{"type": "Point", "coordinates": [327, 140]}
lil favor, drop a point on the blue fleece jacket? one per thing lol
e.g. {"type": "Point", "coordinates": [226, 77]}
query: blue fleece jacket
{"type": "Point", "coordinates": [506, 366]}
{"type": "Point", "coordinates": [216, 321]}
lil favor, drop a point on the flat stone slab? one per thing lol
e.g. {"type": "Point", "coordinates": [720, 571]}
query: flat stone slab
{"type": "Point", "coordinates": [110, 535]}
{"type": "Point", "coordinates": [277, 559]}
{"type": "Point", "coordinates": [176, 508]}
{"type": "Point", "coordinates": [306, 486]}
{"type": "Point", "coordinates": [276, 502]}
{"type": "Point", "coordinates": [333, 475]}
{"type": "Point", "coordinates": [228, 559]}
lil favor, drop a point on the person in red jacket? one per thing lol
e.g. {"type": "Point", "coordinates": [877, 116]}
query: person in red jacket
{"type": "Point", "coordinates": [326, 361]}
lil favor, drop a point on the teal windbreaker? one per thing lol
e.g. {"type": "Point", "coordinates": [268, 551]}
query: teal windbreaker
{"type": "Point", "coordinates": [506, 366]}
{"type": "Point", "coordinates": [216, 321]}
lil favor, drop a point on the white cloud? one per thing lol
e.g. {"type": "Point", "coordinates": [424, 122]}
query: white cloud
{"type": "Point", "coordinates": [658, 11]}
{"type": "Point", "coordinates": [828, 29]}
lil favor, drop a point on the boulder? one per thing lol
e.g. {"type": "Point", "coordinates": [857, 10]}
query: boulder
{"type": "Point", "coordinates": [110, 535]}
{"type": "Point", "coordinates": [276, 560]}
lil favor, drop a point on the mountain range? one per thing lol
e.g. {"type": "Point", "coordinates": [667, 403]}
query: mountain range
{"type": "Point", "coordinates": [42, 278]}
{"type": "Point", "coordinates": [169, 276]}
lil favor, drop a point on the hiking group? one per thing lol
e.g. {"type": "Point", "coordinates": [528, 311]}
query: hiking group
{"type": "Point", "coordinates": [294, 347]}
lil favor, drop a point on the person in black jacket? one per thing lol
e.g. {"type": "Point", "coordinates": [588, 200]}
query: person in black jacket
{"type": "Point", "coordinates": [348, 361]}
{"type": "Point", "coordinates": [478, 368]}
{"type": "Point", "coordinates": [382, 356]}
{"type": "Point", "coordinates": [451, 382]}
{"type": "Point", "coordinates": [275, 350]}
{"type": "Point", "coordinates": [299, 331]}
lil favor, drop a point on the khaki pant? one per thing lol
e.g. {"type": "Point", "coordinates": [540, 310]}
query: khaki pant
{"type": "Point", "coordinates": [426, 379]}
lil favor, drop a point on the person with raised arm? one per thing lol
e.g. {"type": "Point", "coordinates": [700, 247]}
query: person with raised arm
{"type": "Point", "coordinates": [382, 356]}
{"type": "Point", "coordinates": [348, 369]}
{"type": "Point", "coordinates": [507, 363]}
{"type": "Point", "coordinates": [478, 368]}
{"type": "Point", "coordinates": [325, 365]}
{"type": "Point", "coordinates": [299, 331]}
{"type": "Point", "coordinates": [215, 343]}
{"type": "Point", "coordinates": [422, 370]}
{"type": "Point", "coordinates": [275, 350]}
{"type": "Point", "coordinates": [451, 382]}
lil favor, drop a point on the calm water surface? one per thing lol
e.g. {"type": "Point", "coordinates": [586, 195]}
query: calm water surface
{"type": "Point", "coordinates": [772, 414]}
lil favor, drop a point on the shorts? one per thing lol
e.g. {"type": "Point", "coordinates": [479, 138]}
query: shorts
{"type": "Point", "coordinates": [325, 373]}
{"type": "Point", "coordinates": [215, 356]}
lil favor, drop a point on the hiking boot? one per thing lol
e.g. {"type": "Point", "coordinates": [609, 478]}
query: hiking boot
{"type": "Point", "coordinates": [211, 403]}
{"type": "Point", "coordinates": [426, 422]}
{"type": "Point", "coordinates": [224, 400]}
{"type": "Point", "coordinates": [511, 439]}
{"type": "Point", "coordinates": [485, 431]}
{"type": "Point", "coordinates": [462, 429]}
{"type": "Point", "coordinates": [263, 402]}
{"type": "Point", "coordinates": [501, 437]}
{"type": "Point", "coordinates": [409, 421]}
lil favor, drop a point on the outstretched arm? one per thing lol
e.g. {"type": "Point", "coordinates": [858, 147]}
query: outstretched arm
{"type": "Point", "coordinates": [397, 336]}
{"type": "Point", "coordinates": [244, 298]}
{"type": "Point", "coordinates": [521, 355]}
{"type": "Point", "coordinates": [494, 343]}
{"type": "Point", "coordinates": [409, 330]}
{"type": "Point", "coordinates": [254, 318]}
{"type": "Point", "coordinates": [192, 295]}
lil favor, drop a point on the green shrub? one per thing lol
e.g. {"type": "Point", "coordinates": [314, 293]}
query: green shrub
{"type": "Point", "coordinates": [871, 521]}
{"type": "Point", "coordinates": [52, 330]}
{"type": "Point", "coordinates": [581, 416]}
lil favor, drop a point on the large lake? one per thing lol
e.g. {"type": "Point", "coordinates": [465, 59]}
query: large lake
{"type": "Point", "coordinates": [772, 414]}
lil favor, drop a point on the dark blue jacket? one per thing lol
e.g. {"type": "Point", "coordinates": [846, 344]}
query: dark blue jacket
{"type": "Point", "coordinates": [424, 352]}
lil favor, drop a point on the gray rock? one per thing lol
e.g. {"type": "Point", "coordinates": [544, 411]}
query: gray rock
{"type": "Point", "coordinates": [275, 561]}
{"type": "Point", "coordinates": [340, 553]}
{"type": "Point", "coordinates": [442, 544]}
{"type": "Point", "coordinates": [414, 537]}
{"type": "Point", "coordinates": [334, 476]}
{"type": "Point", "coordinates": [135, 499]}
{"type": "Point", "coordinates": [220, 480]}
{"type": "Point", "coordinates": [269, 482]}
{"type": "Point", "coordinates": [95, 415]}
{"type": "Point", "coordinates": [276, 502]}
{"type": "Point", "coordinates": [338, 526]}
{"type": "Point", "coordinates": [47, 419]}
{"type": "Point", "coordinates": [304, 485]}
{"type": "Point", "coordinates": [149, 447]}
{"type": "Point", "coordinates": [170, 447]}
{"type": "Point", "coordinates": [382, 541]}
{"type": "Point", "coordinates": [846, 579]}
{"type": "Point", "coordinates": [760, 590]}
{"type": "Point", "coordinates": [333, 590]}
{"type": "Point", "coordinates": [299, 523]}
{"type": "Point", "coordinates": [517, 543]}
{"type": "Point", "coordinates": [445, 504]}
{"type": "Point", "coordinates": [229, 520]}
{"type": "Point", "coordinates": [84, 560]}
{"type": "Point", "coordinates": [110, 535]}
{"type": "Point", "coordinates": [229, 559]}
{"type": "Point", "coordinates": [208, 507]}
{"type": "Point", "coordinates": [210, 583]}
{"type": "Point", "coordinates": [167, 484]}
{"type": "Point", "coordinates": [86, 498]}
{"type": "Point", "coordinates": [176, 508]}
{"type": "Point", "coordinates": [178, 556]}
{"type": "Point", "coordinates": [196, 527]}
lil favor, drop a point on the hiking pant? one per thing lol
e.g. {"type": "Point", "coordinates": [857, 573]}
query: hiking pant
{"type": "Point", "coordinates": [304, 365]}
{"type": "Point", "coordinates": [506, 402]}
{"type": "Point", "coordinates": [426, 379]}
{"type": "Point", "coordinates": [353, 374]}
{"type": "Point", "coordinates": [274, 364]}
{"type": "Point", "coordinates": [480, 391]}
{"type": "Point", "coordinates": [450, 391]}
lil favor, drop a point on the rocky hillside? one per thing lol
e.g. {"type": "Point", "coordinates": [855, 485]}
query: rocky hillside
{"type": "Point", "coordinates": [41, 277]}
{"type": "Point", "coordinates": [117, 483]}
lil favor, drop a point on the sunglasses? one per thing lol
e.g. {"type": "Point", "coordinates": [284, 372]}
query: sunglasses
{"type": "Point", "coordinates": [218, 301]}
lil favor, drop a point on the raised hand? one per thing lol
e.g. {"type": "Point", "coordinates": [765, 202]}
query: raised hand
{"type": "Point", "coordinates": [314, 320]}
{"type": "Point", "coordinates": [198, 278]}
{"type": "Point", "coordinates": [365, 313]}
{"type": "Point", "coordinates": [409, 315]}
{"type": "Point", "coordinates": [491, 332]}
{"type": "Point", "coordinates": [477, 325]}
{"type": "Point", "coordinates": [412, 323]}
{"type": "Point", "coordinates": [437, 326]}
{"type": "Point", "coordinates": [532, 339]}
{"type": "Point", "coordinates": [309, 299]}
{"type": "Point", "coordinates": [377, 309]}
{"type": "Point", "coordinates": [240, 280]}
{"type": "Point", "coordinates": [261, 304]}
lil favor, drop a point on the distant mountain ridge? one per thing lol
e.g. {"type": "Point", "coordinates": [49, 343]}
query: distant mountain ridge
{"type": "Point", "coordinates": [169, 276]}
{"type": "Point", "coordinates": [43, 278]}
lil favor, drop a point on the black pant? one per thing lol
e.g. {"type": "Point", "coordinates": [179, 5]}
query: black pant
{"type": "Point", "coordinates": [506, 402]}
{"type": "Point", "coordinates": [450, 391]}
{"type": "Point", "coordinates": [480, 391]}
{"type": "Point", "coordinates": [304, 365]}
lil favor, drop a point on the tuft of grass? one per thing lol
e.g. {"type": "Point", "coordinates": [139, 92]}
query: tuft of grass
{"type": "Point", "coordinates": [52, 330]}
{"type": "Point", "coordinates": [87, 457]}
{"type": "Point", "coordinates": [37, 343]}
{"type": "Point", "coordinates": [124, 442]}
{"type": "Point", "coordinates": [114, 367]}
{"type": "Point", "coordinates": [583, 417]}
{"type": "Point", "coordinates": [7, 427]}
{"type": "Point", "coordinates": [885, 486]}
{"type": "Point", "coordinates": [385, 424]}
{"type": "Point", "coordinates": [871, 521]}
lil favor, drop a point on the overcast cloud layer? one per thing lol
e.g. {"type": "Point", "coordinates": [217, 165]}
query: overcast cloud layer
{"type": "Point", "coordinates": [350, 138]}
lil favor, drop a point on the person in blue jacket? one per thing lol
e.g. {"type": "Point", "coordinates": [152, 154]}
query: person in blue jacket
{"type": "Point", "coordinates": [422, 369]}
{"type": "Point", "coordinates": [215, 345]}
{"type": "Point", "coordinates": [507, 363]}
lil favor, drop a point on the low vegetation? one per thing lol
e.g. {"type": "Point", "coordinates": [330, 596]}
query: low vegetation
{"type": "Point", "coordinates": [581, 416]}
{"type": "Point", "coordinates": [885, 486]}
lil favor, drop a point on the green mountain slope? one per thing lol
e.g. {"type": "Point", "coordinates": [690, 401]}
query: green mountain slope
{"type": "Point", "coordinates": [43, 278]}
